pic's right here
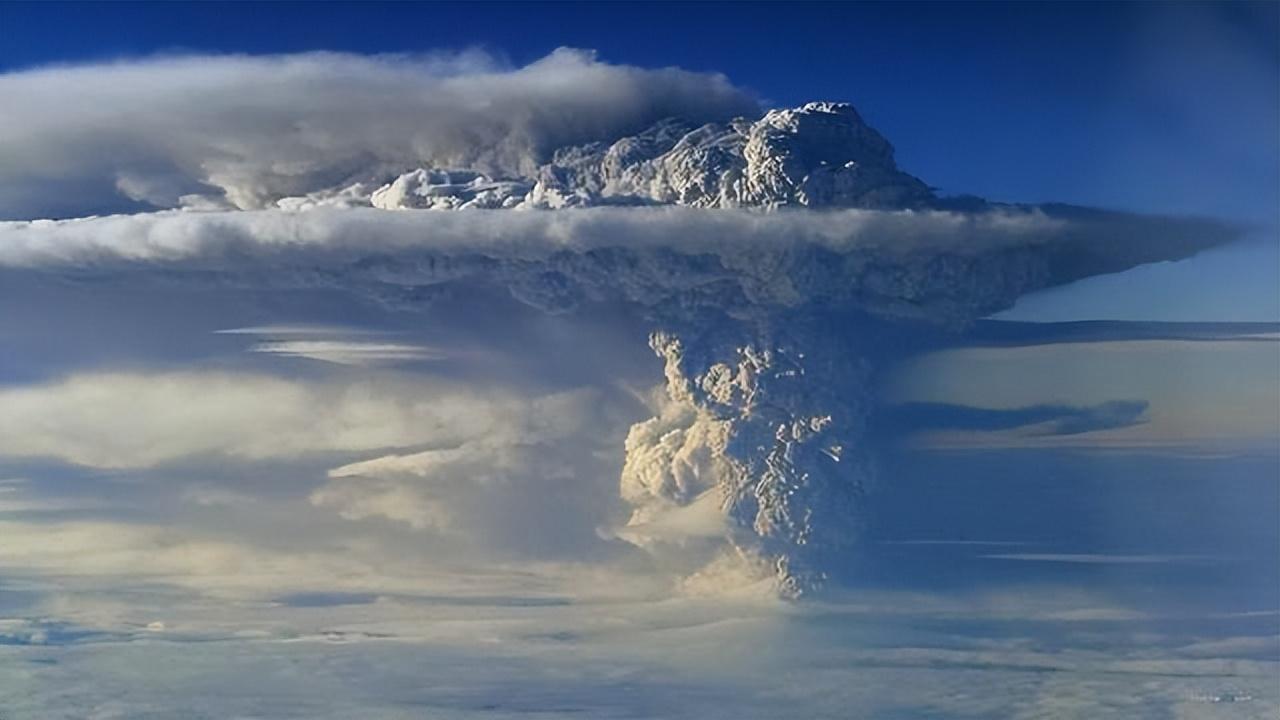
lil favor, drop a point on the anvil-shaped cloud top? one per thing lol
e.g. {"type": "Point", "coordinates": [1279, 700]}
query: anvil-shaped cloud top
{"type": "Point", "coordinates": [757, 249]}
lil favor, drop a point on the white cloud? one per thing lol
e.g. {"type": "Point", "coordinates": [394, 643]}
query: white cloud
{"type": "Point", "coordinates": [938, 265]}
{"type": "Point", "coordinates": [347, 352]}
{"type": "Point", "coordinates": [551, 441]}
{"type": "Point", "coordinates": [507, 656]}
{"type": "Point", "coordinates": [120, 420]}
{"type": "Point", "coordinates": [421, 489]}
{"type": "Point", "coordinates": [248, 130]}
{"type": "Point", "coordinates": [87, 555]}
{"type": "Point", "coordinates": [387, 499]}
{"type": "Point", "coordinates": [213, 237]}
{"type": "Point", "coordinates": [337, 345]}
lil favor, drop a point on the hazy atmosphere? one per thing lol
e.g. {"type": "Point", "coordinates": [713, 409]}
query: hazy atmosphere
{"type": "Point", "coordinates": [639, 360]}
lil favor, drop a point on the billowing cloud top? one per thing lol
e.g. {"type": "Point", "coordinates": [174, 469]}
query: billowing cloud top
{"type": "Point", "coordinates": [305, 140]}
{"type": "Point", "coordinates": [248, 130]}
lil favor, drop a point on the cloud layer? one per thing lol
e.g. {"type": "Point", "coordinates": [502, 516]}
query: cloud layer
{"type": "Point", "coordinates": [127, 420]}
{"type": "Point", "coordinates": [937, 265]}
{"type": "Point", "coordinates": [1046, 419]}
{"type": "Point", "coordinates": [245, 131]}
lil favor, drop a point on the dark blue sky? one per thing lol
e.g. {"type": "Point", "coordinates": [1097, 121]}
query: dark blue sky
{"type": "Point", "coordinates": [1144, 106]}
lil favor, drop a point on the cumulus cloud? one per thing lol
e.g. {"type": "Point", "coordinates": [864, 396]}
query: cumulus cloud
{"type": "Point", "coordinates": [245, 131]}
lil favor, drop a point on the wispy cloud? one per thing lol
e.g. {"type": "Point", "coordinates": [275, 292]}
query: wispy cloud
{"type": "Point", "coordinates": [337, 345]}
{"type": "Point", "coordinates": [118, 420]}
{"type": "Point", "coordinates": [349, 352]}
{"type": "Point", "coordinates": [1032, 420]}
{"type": "Point", "coordinates": [1201, 397]}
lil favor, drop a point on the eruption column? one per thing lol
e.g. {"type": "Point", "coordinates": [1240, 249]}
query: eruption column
{"type": "Point", "coordinates": [772, 423]}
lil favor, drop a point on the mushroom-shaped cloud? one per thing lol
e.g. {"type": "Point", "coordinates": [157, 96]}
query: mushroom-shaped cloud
{"type": "Point", "coordinates": [776, 260]}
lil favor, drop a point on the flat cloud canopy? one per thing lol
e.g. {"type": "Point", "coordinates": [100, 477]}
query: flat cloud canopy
{"type": "Point", "coordinates": [925, 264]}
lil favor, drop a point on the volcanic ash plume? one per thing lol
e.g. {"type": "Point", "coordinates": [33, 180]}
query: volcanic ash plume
{"type": "Point", "coordinates": [771, 430]}
{"type": "Point", "coordinates": [759, 250]}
